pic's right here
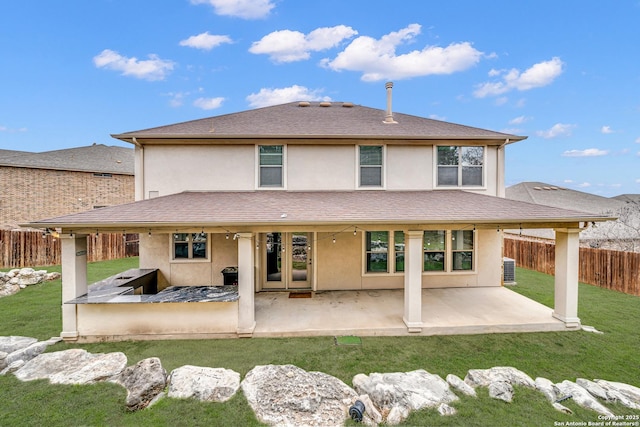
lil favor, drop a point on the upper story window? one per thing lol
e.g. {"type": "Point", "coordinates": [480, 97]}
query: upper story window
{"type": "Point", "coordinates": [460, 166]}
{"type": "Point", "coordinates": [370, 165]}
{"type": "Point", "coordinates": [190, 246]}
{"type": "Point", "coordinates": [271, 165]}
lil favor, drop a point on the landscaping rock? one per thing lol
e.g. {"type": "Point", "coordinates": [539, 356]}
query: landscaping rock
{"type": "Point", "coordinates": [74, 366]}
{"type": "Point", "coordinates": [16, 279]}
{"type": "Point", "coordinates": [501, 390]}
{"type": "Point", "coordinates": [14, 366]}
{"type": "Point", "coordinates": [457, 383]}
{"type": "Point", "coordinates": [625, 394]}
{"type": "Point", "coordinates": [582, 397]}
{"type": "Point", "coordinates": [205, 384]}
{"type": "Point", "coordinates": [143, 381]}
{"type": "Point", "coordinates": [407, 391]}
{"type": "Point", "coordinates": [370, 409]}
{"type": "Point", "coordinates": [547, 388]}
{"type": "Point", "coordinates": [484, 377]}
{"type": "Point", "coordinates": [446, 410]}
{"type": "Point", "coordinates": [27, 353]}
{"type": "Point", "coordinates": [288, 395]}
{"type": "Point", "coordinates": [595, 389]}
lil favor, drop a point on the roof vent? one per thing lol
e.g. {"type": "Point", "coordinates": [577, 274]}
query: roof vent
{"type": "Point", "coordinates": [389, 118]}
{"type": "Point", "coordinates": [304, 104]}
{"type": "Point", "coordinates": [325, 104]}
{"type": "Point", "coordinates": [347, 104]}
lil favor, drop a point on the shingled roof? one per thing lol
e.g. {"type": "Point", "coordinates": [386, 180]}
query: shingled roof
{"type": "Point", "coordinates": [97, 158]}
{"type": "Point", "coordinates": [291, 208]}
{"type": "Point", "coordinates": [312, 120]}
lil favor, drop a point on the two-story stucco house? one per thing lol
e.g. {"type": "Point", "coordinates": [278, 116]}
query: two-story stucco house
{"type": "Point", "coordinates": [326, 197]}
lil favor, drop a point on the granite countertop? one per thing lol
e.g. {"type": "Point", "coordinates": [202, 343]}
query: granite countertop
{"type": "Point", "coordinates": [115, 290]}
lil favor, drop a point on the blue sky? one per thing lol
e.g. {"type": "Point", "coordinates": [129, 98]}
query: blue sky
{"type": "Point", "coordinates": [564, 73]}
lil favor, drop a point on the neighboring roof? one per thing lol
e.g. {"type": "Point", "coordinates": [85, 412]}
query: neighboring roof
{"type": "Point", "coordinates": [550, 195]}
{"type": "Point", "coordinates": [628, 198]}
{"type": "Point", "coordinates": [93, 158]}
{"type": "Point", "coordinates": [310, 120]}
{"type": "Point", "coordinates": [290, 208]}
{"type": "Point", "coordinates": [5, 154]}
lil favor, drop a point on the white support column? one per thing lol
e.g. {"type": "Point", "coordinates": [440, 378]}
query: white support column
{"type": "Point", "coordinates": [413, 280]}
{"type": "Point", "coordinates": [246, 285]}
{"type": "Point", "coordinates": [566, 277]}
{"type": "Point", "coordinates": [74, 280]}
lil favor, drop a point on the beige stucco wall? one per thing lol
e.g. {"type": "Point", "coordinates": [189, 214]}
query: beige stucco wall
{"type": "Point", "coordinates": [173, 169]}
{"type": "Point", "coordinates": [331, 167]}
{"type": "Point", "coordinates": [156, 319]}
{"type": "Point", "coordinates": [338, 264]}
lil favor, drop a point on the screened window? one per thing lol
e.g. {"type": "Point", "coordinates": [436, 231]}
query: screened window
{"type": "Point", "coordinates": [189, 245]}
{"type": "Point", "coordinates": [377, 251]}
{"type": "Point", "coordinates": [370, 166]}
{"type": "Point", "coordinates": [462, 249]}
{"type": "Point", "coordinates": [398, 246]}
{"type": "Point", "coordinates": [434, 248]}
{"type": "Point", "coordinates": [460, 166]}
{"type": "Point", "coordinates": [271, 164]}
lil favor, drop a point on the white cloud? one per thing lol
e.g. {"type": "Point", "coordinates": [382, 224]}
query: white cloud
{"type": "Point", "coordinates": [637, 140]}
{"type": "Point", "coordinates": [559, 129]}
{"type": "Point", "coordinates": [584, 185]}
{"type": "Point", "coordinates": [205, 41]}
{"type": "Point", "coordinates": [267, 97]}
{"type": "Point", "coordinates": [151, 69]}
{"type": "Point", "coordinates": [606, 129]}
{"type": "Point", "coordinates": [519, 120]}
{"type": "Point", "coordinates": [538, 75]}
{"type": "Point", "coordinates": [291, 46]}
{"type": "Point", "coordinates": [589, 152]}
{"type": "Point", "coordinates": [377, 59]}
{"type": "Point", "coordinates": [208, 103]}
{"type": "Point", "coordinates": [246, 9]}
{"type": "Point", "coordinates": [11, 130]}
{"type": "Point", "coordinates": [437, 117]}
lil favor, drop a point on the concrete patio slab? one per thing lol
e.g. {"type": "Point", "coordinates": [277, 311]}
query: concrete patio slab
{"type": "Point", "coordinates": [456, 311]}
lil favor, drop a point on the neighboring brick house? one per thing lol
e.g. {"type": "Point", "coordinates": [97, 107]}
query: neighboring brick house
{"type": "Point", "coordinates": [60, 182]}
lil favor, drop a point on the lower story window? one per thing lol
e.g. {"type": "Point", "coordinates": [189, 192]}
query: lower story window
{"type": "Point", "coordinates": [398, 246]}
{"type": "Point", "coordinates": [189, 245]}
{"type": "Point", "coordinates": [462, 249]}
{"type": "Point", "coordinates": [434, 248]}
{"type": "Point", "coordinates": [377, 251]}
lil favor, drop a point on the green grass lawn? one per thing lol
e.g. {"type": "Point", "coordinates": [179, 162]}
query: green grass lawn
{"type": "Point", "coordinates": [614, 356]}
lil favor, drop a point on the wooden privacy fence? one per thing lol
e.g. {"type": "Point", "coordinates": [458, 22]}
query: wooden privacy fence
{"type": "Point", "coordinates": [616, 270]}
{"type": "Point", "coordinates": [30, 248]}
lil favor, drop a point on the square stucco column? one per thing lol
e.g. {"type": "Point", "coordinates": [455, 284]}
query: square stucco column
{"type": "Point", "coordinates": [566, 277]}
{"type": "Point", "coordinates": [413, 281]}
{"type": "Point", "coordinates": [74, 280]}
{"type": "Point", "coordinates": [246, 285]}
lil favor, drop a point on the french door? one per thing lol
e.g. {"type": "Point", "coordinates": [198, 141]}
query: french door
{"type": "Point", "coordinates": [286, 260]}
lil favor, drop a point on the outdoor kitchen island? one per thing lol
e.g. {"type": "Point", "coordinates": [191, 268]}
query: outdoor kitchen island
{"type": "Point", "coordinates": [130, 300]}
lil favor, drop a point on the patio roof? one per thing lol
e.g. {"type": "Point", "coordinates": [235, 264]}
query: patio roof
{"type": "Point", "coordinates": [249, 209]}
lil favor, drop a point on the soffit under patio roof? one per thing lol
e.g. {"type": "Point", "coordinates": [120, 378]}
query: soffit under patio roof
{"type": "Point", "coordinates": [247, 209]}
{"type": "Point", "coordinates": [310, 123]}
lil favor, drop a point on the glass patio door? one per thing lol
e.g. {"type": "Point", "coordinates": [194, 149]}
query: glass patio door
{"type": "Point", "coordinates": [286, 261]}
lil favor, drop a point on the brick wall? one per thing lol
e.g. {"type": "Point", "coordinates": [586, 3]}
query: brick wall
{"type": "Point", "coordinates": [33, 194]}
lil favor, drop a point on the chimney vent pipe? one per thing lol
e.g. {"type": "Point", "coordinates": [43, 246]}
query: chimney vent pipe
{"type": "Point", "coordinates": [389, 118]}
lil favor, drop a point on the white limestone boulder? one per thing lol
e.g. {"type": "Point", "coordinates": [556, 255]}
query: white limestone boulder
{"type": "Point", "coordinates": [73, 366]}
{"type": "Point", "coordinates": [288, 395]}
{"type": "Point", "coordinates": [625, 394]}
{"type": "Point", "coordinates": [458, 384]}
{"type": "Point", "coordinates": [507, 374]}
{"type": "Point", "coordinates": [204, 384]}
{"type": "Point", "coordinates": [501, 390]}
{"type": "Point", "coordinates": [582, 397]}
{"type": "Point", "coordinates": [144, 381]}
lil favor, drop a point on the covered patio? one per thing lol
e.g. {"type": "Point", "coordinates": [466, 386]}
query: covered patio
{"type": "Point", "coordinates": [454, 311]}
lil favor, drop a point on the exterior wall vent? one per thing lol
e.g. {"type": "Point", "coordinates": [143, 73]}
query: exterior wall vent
{"type": "Point", "coordinates": [304, 104]}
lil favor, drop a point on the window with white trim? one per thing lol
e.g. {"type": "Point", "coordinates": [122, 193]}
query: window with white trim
{"type": "Point", "coordinates": [189, 245]}
{"type": "Point", "coordinates": [460, 166]}
{"type": "Point", "coordinates": [462, 250]}
{"type": "Point", "coordinates": [434, 249]}
{"type": "Point", "coordinates": [271, 165]}
{"type": "Point", "coordinates": [370, 164]}
{"type": "Point", "coordinates": [377, 251]}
